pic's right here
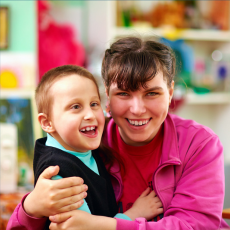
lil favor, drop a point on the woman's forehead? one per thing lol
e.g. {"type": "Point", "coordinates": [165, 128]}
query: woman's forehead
{"type": "Point", "coordinates": [158, 81]}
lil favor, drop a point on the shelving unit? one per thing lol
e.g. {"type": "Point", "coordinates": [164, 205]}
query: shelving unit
{"type": "Point", "coordinates": [186, 34]}
{"type": "Point", "coordinates": [214, 38]}
{"type": "Point", "coordinates": [211, 109]}
{"type": "Point", "coordinates": [17, 93]}
{"type": "Point", "coordinates": [216, 98]}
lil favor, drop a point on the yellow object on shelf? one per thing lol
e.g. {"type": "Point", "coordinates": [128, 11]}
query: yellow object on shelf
{"type": "Point", "coordinates": [9, 79]}
{"type": "Point", "coordinates": [172, 33]}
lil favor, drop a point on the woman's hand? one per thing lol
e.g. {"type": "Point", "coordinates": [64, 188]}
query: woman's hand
{"type": "Point", "coordinates": [50, 197]}
{"type": "Point", "coordinates": [80, 220]}
{"type": "Point", "coordinates": [147, 205]}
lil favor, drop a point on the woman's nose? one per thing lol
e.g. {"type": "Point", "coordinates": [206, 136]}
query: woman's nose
{"type": "Point", "coordinates": [137, 106]}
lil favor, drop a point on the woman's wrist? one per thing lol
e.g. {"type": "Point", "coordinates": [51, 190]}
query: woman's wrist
{"type": "Point", "coordinates": [103, 223]}
{"type": "Point", "coordinates": [131, 214]}
{"type": "Point", "coordinates": [29, 207]}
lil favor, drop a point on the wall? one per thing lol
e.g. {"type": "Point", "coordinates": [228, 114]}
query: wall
{"type": "Point", "coordinates": [22, 25]}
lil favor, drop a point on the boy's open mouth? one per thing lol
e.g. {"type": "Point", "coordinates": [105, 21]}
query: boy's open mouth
{"type": "Point", "coordinates": [89, 130]}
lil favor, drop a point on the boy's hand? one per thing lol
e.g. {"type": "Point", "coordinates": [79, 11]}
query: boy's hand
{"type": "Point", "coordinates": [50, 197]}
{"type": "Point", "coordinates": [148, 205]}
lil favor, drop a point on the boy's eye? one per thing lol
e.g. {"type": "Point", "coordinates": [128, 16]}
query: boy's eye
{"type": "Point", "coordinates": [76, 107]}
{"type": "Point", "coordinates": [94, 104]}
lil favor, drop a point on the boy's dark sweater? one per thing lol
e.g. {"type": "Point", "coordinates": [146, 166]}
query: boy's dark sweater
{"type": "Point", "coordinates": [100, 195]}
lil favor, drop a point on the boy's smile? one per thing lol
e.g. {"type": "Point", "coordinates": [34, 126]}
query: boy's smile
{"type": "Point", "coordinates": [89, 131]}
{"type": "Point", "coordinates": [76, 114]}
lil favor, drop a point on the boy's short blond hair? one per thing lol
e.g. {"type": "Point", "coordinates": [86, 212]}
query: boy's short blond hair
{"type": "Point", "coordinates": [42, 95]}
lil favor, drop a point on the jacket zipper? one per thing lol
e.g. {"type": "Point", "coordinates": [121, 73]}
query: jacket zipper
{"type": "Point", "coordinates": [154, 179]}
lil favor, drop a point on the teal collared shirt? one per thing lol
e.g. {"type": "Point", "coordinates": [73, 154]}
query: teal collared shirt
{"type": "Point", "coordinates": [85, 157]}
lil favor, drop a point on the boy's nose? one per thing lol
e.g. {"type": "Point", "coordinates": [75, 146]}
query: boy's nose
{"type": "Point", "coordinates": [137, 106]}
{"type": "Point", "coordinates": [89, 114]}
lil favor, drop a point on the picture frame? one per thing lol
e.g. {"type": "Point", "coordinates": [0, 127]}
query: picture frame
{"type": "Point", "coordinates": [18, 107]}
{"type": "Point", "coordinates": [4, 29]}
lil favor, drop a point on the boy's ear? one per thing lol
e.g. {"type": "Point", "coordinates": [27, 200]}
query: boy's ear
{"type": "Point", "coordinates": [45, 123]}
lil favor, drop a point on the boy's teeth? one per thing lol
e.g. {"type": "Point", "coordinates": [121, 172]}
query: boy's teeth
{"type": "Point", "coordinates": [138, 123]}
{"type": "Point", "coordinates": [88, 129]}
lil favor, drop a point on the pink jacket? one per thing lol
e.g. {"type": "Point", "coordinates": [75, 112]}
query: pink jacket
{"type": "Point", "coordinates": [189, 181]}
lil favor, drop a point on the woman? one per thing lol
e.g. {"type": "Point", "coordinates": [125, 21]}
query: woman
{"type": "Point", "coordinates": [182, 161]}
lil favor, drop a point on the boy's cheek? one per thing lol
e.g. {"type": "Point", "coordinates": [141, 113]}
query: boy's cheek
{"type": "Point", "coordinates": [101, 118]}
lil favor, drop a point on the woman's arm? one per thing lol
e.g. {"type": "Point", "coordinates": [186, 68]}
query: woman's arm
{"type": "Point", "coordinates": [196, 204]}
{"type": "Point", "coordinates": [21, 221]}
{"type": "Point", "coordinates": [80, 220]}
{"type": "Point", "coordinates": [48, 198]}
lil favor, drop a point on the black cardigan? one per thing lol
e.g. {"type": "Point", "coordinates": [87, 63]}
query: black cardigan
{"type": "Point", "coordinates": [100, 195]}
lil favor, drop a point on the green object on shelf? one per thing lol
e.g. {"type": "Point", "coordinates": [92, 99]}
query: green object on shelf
{"type": "Point", "coordinates": [185, 78]}
{"type": "Point", "coordinates": [126, 18]}
{"type": "Point", "coordinates": [201, 90]}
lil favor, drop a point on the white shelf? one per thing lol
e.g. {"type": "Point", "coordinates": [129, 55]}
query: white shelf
{"type": "Point", "coordinates": [208, 98]}
{"type": "Point", "coordinates": [187, 34]}
{"type": "Point", "coordinates": [17, 93]}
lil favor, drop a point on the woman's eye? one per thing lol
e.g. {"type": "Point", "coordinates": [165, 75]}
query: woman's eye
{"type": "Point", "coordinates": [152, 94]}
{"type": "Point", "coordinates": [122, 94]}
{"type": "Point", "coordinates": [76, 107]}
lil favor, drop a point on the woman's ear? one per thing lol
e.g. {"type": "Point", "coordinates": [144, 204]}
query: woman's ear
{"type": "Point", "coordinates": [45, 123]}
{"type": "Point", "coordinates": [106, 91]}
{"type": "Point", "coordinates": [171, 89]}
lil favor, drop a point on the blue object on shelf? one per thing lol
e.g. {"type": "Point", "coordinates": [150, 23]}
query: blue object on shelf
{"type": "Point", "coordinates": [185, 51]}
{"type": "Point", "coordinates": [222, 72]}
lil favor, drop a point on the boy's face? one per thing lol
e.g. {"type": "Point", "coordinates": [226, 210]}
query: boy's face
{"type": "Point", "coordinates": [77, 117]}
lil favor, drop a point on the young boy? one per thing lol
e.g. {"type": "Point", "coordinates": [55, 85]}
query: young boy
{"type": "Point", "coordinates": [68, 104]}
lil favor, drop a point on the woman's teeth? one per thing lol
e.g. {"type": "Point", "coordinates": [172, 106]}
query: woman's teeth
{"type": "Point", "coordinates": [138, 123]}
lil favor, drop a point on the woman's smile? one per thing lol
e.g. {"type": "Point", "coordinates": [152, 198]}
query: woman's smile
{"type": "Point", "coordinates": [138, 124]}
{"type": "Point", "coordinates": [140, 114]}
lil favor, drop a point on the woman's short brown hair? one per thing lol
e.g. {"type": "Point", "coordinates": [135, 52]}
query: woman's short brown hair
{"type": "Point", "coordinates": [42, 96]}
{"type": "Point", "coordinates": [131, 62]}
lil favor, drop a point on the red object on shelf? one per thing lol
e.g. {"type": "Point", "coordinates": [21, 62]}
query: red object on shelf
{"type": "Point", "coordinates": [57, 44]}
{"type": "Point", "coordinates": [220, 14]}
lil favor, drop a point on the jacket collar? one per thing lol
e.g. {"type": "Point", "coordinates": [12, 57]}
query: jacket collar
{"type": "Point", "coordinates": [170, 149]}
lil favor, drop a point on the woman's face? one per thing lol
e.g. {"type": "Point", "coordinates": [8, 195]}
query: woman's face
{"type": "Point", "coordinates": [139, 114]}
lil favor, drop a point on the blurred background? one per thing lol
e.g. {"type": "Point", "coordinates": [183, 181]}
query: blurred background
{"type": "Point", "coordinates": [38, 35]}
